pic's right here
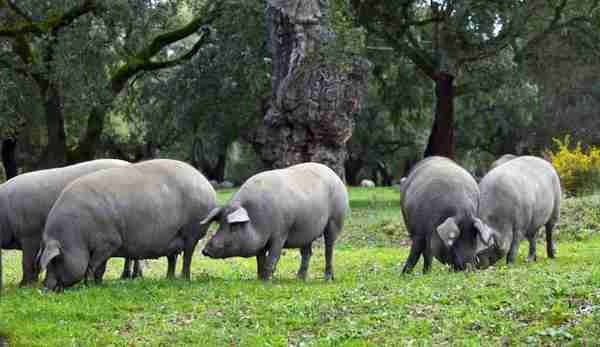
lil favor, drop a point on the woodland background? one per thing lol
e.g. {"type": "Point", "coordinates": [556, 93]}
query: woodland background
{"type": "Point", "coordinates": [234, 87]}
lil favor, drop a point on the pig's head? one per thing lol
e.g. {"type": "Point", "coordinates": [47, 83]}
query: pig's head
{"type": "Point", "coordinates": [236, 236]}
{"type": "Point", "coordinates": [63, 269]}
{"type": "Point", "coordinates": [466, 240]}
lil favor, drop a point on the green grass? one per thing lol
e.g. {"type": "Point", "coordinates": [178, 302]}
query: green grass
{"type": "Point", "coordinates": [550, 302]}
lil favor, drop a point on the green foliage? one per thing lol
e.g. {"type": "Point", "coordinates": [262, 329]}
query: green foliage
{"type": "Point", "coordinates": [198, 111]}
{"type": "Point", "coordinates": [547, 303]}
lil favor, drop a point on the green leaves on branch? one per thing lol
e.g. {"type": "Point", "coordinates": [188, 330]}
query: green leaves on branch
{"type": "Point", "coordinates": [142, 61]}
{"type": "Point", "coordinates": [49, 25]}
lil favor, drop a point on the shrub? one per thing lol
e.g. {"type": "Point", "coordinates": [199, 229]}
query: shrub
{"type": "Point", "coordinates": [579, 169]}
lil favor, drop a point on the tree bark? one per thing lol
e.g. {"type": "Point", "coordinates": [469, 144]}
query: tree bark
{"type": "Point", "coordinates": [9, 160]}
{"type": "Point", "coordinates": [441, 139]}
{"type": "Point", "coordinates": [220, 167]}
{"type": "Point", "coordinates": [88, 146]}
{"type": "Point", "coordinates": [310, 115]}
{"type": "Point", "coordinates": [57, 139]}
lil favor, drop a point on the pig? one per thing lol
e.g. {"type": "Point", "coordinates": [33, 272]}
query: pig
{"type": "Point", "coordinates": [25, 202]}
{"type": "Point", "coordinates": [503, 159]}
{"type": "Point", "coordinates": [517, 199]}
{"type": "Point", "coordinates": [439, 201]}
{"type": "Point", "coordinates": [285, 208]}
{"type": "Point", "coordinates": [367, 183]}
{"type": "Point", "coordinates": [147, 210]}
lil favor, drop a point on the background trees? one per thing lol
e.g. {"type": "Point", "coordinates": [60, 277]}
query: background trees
{"type": "Point", "coordinates": [203, 82]}
{"type": "Point", "coordinates": [82, 54]}
{"type": "Point", "coordinates": [449, 41]}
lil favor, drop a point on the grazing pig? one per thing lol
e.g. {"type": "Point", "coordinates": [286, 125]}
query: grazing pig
{"type": "Point", "coordinates": [503, 159]}
{"type": "Point", "coordinates": [517, 198]}
{"type": "Point", "coordinates": [25, 202]}
{"type": "Point", "coordinates": [439, 202]}
{"type": "Point", "coordinates": [147, 210]}
{"type": "Point", "coordinates": [287, 208]}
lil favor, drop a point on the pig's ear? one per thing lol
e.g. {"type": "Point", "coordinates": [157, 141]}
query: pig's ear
{"type": "Point", "coordinates": [448, 231]}
{"type": "Point", "coordinates": [484, 232]}
{"type": "Point", "coordinates": [240, 215]}
{"type": "Point", "coordinates": [212, 215]}
{"type": "Point", "coordinates": [51, 251]}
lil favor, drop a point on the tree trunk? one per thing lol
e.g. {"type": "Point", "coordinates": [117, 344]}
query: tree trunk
{"type": "Point", "coordinates": [56, 153]}
{"type": "Point", "coordinates": [386, 178]}
{"type": "Point", "coordinates": [9, 160]}
{"type": "Point", "coordinates": [88, 145]}
{"type": "Point", "coordinates": [441, 139]}
{"type": "Point", "coordinates": [310, 115]}
{"type": "Point", "coordinates": [214, 172]}
{"type": "Point", "coordinates": [352, 168]}
{"type": "Point", "coordinates": [219, 170]}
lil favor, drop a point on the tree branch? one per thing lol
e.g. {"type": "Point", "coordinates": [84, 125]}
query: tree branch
{"type": "Point", "coordinates": [71, 15]}
{"type": "Point", "coordinates": [142, 61]}
{"type": "Point", "coordinates": [555, 25]}
{"type": "Point", "coordinates": [400, 31]}
{"type": "Point", "coordinates": [50, 25]}
{"type": "Point", "coordinates": [137, 64]}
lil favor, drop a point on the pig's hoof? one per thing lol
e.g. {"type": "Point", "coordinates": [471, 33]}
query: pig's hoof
{"type": "Point", "coordinates": [531, 258]}
{"type": "Point", "coordinates": [329, 276]}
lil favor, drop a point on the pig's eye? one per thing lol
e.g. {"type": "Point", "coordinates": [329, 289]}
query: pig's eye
{"type": "Point", "coordinates": [235, 227]}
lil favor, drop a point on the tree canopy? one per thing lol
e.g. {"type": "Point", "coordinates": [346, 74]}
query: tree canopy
{"type": "Point", "coordinates": [194, 79]}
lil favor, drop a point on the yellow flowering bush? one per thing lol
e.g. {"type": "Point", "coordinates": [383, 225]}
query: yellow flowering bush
{"type": "Point", "coordinates": [579, 169]}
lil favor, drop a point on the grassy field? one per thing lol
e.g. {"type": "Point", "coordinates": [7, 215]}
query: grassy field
{"type": "Point", "coordinates": [549, 303]}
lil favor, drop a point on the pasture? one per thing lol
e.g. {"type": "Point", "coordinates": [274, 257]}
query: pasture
{"type": "Point", "coordinates": [549, 303]}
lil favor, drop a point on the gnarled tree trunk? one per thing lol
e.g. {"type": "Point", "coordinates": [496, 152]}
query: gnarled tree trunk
{"type": "Point", "coordinates": [310, 116]}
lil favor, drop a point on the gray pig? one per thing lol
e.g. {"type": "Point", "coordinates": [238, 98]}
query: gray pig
{"type": "Point", "coordinates": [147, 210]}
{"type": "Point", "coordinates": [517, 198]}
{"type": "Point", "coordinates": [503, 159]}
{"type": "Point", "coordinates": [439, 202]}
{"type": "Point", "coordinates": [287, 208]}
{"type": "Point", "coordinates": [25, 202]}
